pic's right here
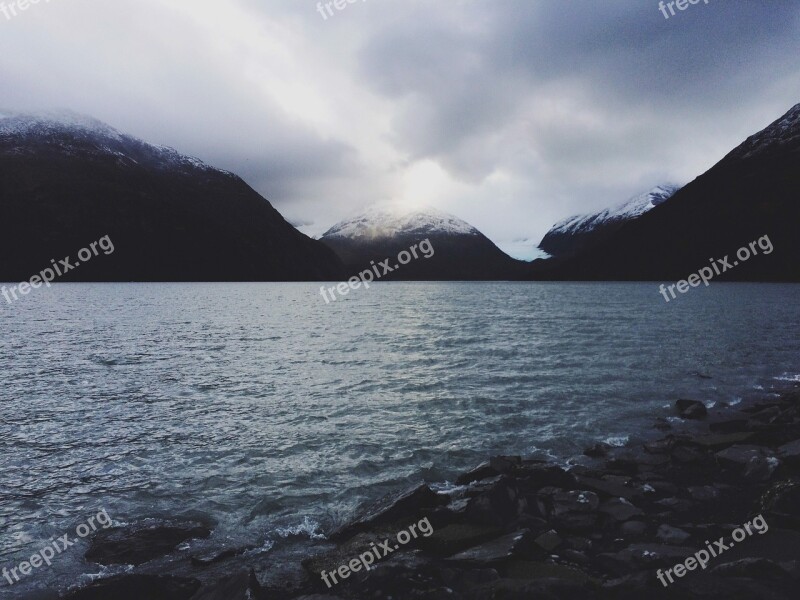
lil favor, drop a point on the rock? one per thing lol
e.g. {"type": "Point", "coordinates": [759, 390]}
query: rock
{"type": "Point", "coordinates": [733, 426]}
{"type": "Point", "coordinates": [703, 493]}
{"type": "Point", "coordinates": [620, 509]}
{"type": "Point", "coordinates": [241, 586]}
{"type": "Point", "coordinates": [407, 506]}
{"type": "Point", "coordinates": [740, 455]}
{"type": "Point", "coordinates": [457, 537]}
{"type": "Point", "coordinates": [573, 501]}
{"type": "Point", "coordinates": [672, 535]}
{"type": "Point", "coordinates": [505, 464]}
{"type": "Point", "coordinates": [535, 476]}
{"type": "Point", "coordinates": [482, 471]}
{"type": "Point", "coordinates": [757, 568]}
{"type": "Point", "coordinates": [598, 450]}
{"type": "Point", "coordinates": [496, 550]}
{"type": "Point", "coordinates": [498, 506]}
{"type": "Point", "coordinates": [645, 555]}
{"type": "Point", "coordinates": [783, 501]}
{"type": "Point", "coordinates": [138, 544]}
{"type": "Point", "coordinates": [548, 541]}
{"type": "Point", "coordinates": [633, 529]}
{"type": "Point", "coordinates": [218, 556]}
{"type": "Point", "coordinates": [760, 468]}
{"type": "Point", "coordinates": [790, 453]}
{"type": "Point", "coordinates": [608, 488]}
{"type": "Point", "coordinates": [691, 409]}
{"type": "Point", "coordinates": [677, 505]}
{"type": "Point", "coordinates": [720, 440]}
{"type": "Point", "coordinates": [137, 587]}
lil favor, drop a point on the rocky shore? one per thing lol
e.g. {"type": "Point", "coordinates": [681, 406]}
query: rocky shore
{"type": "Point", "coordinates": [514, 528]}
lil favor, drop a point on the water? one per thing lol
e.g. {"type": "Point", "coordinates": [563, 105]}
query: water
{"type": "Point", "coordinates": [276, 415]}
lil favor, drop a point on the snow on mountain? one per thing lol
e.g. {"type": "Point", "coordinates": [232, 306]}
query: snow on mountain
{"type": "Point", "coordinates": [75, 134]}
{"type": "Point", "coordinates": [378, 222]}
{"type": "Point", "coordinates": [633, 208]}
{"type": "Point", "coordinates": [778, 135]}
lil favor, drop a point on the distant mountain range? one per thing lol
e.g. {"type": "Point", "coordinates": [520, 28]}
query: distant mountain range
{"type": "Point", "coordinates": [752, 192]}
{"type": "Point", "coordinates": [461, 252]}
{"type": "Point", "coordinates": [575, 234]}
{"type": "Point", "coordinates": [67, 180]}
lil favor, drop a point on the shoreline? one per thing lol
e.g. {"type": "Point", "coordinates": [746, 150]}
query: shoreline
{"type": "Point", "coordinates": [609, 527]}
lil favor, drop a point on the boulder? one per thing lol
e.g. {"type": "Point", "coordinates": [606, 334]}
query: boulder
{"type": "Point", "coordinates": [496, 550]}
{"type": "Point", "coordinates": [406, 507]}
{"type": "Point", "coordinates": [138, 544]}
{"type": "Point", "coordinates": [137, 587]}
{"type": "Point", "coordinates": [241, 586]}
{"type": "Point", "coordinates": [498, 506]}
{"type": "Point", "coordinates": [672, 535]}
{"type": "Point", "coordinates": [691, 409]}
{"type": "Point", "coordinates": [620, 509]}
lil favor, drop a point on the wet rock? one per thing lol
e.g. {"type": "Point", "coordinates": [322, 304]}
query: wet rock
{"type": "Point", "coordinates": [677, 505]}
{"type": "Point", "coordinates": [138, 544]}
{"type": "Point", "coordinates": [482, 471]}
{"type": "Point", "coordinates": [759, 568]}
{"type": "Point", "coordinates": [672, 535]}
{"type": "Point", "coordinates": [607, 488]}
{"type": "Point", "coordinates": [633, 529]}
{"type": "Point", "coordinates": [505, 464]}
{"type": "Point", "coordinates": [457, 537]}
{"type": "Point", "coordinates": [500, 549]}
{"type": "Point", "coordinates": [548, 541]}
{"type": "Point", "coordinates": [760, 468]}
{"type": "Point", "coordinates": [782, 501]}
{"type": "Point", "coordinates": [720, 440]}
{"type": "Point", "coordinates": [598, 450]}
{"type": "Point", "coordinates": [406, 507]}
{"type": "Point", "coordinates": [241, 586]}
{"type": "Point", "coordinates": [790, 453]}
{"type": "Point", "coordinates": [498, 506]}
{"type": "Point", "coordinates": [733, 426]}
{"type": "Point", "coordinates": [205, 560]}
{"type": "Point", "coordinates": [704, 493]}
{"type": "Point", "coordinates": [644, 555]}
{"type": "Point", "coordinates": [620, 509]}
{"type": "Point", "coordinates": [535, 476]}
{"type": "Point", "coordinates": [137, 587]}
{"type": "Point", "coordinates": [740, 455]}
{"type": "Point", "coordinates": [691, 409]}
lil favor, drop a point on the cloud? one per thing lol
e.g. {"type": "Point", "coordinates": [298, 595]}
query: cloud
{"type": "Point", "coordinates": [511, 114]}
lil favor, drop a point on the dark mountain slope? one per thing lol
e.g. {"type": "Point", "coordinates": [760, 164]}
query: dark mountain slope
{"type": "Point", "coordinates": [67, 180]}
{"type": "Point", "coordinates": [754, 191]}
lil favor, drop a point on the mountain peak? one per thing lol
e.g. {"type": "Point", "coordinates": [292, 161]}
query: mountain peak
{"type": "Point", "coordinates": [390, 221]}
{"type": "Point", "coordinates": [779, 135]}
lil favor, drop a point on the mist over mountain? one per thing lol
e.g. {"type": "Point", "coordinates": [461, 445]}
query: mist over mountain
{"type": "Point", "coordinates": [67, 180]}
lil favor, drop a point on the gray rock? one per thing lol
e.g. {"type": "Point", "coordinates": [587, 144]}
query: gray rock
{"type": "Point", "coordinates": [633, 529]}
{"type": "Point", "coordinates": [672, 535]}
{"type": "Point", "coordinates": [620, 509]}
{"type": "Point", "coordinates": [137, 587]}
{"type": "Point", "coordinates": [496, 550]}
{"type": "Point", "coordinates": [548, 541]}
{"type": "Point", "coordinates": [790, 452]}
{"type": "Point", "coordinates": [758, 568]}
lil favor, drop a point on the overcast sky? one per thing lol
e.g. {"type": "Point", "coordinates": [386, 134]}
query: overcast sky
{"type": "Point", "coordinates": [511, 114]}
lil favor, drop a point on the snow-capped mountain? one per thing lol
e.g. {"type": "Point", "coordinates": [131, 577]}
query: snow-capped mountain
{"type": "Point", "coordinates": [72, 133]}
{"type": "Point", "coordinates": [743, 210]}
{"type": "Point", "coordinates": [461, 251]}
{"type": "Point", "coordinates": [377, 222]}
{"type": "Point", "coordinates": [577, 233]}
{"type": "Point", "coordinates": [67, 180]}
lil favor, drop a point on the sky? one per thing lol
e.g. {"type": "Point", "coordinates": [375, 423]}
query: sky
{"type": "Point", "coordinates": [510, 114]}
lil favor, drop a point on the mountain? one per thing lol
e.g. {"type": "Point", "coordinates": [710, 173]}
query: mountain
{"type": "Point", "coordinates": [574, 234]}
{"type": "Point", "coordinates": [751, 193]}
{"type": "Point", "coordinates": [67, 180]}
{"type": "Point", "coordinates": [460, 252]}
